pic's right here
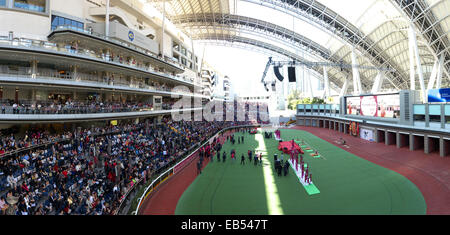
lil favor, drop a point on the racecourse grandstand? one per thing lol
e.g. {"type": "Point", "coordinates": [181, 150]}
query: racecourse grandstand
{"type": "Point", "coordinates": [138, 107]}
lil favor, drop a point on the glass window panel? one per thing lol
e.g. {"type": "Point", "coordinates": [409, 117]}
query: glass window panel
{"type": "Point", "coordinates": [31, 5]}
{"type": "Point", "coordinates": [54, 20]}
{"type": "Point", "coordinates": [2, 2]}
{"type": "Point", "coordinates": [60, 20]}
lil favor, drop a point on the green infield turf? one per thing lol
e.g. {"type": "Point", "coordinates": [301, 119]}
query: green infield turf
{"type": "Point", "coordinates": [347, 184]}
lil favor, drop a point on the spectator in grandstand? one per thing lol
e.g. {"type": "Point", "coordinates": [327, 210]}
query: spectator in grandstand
{"type": "Point", "coordinates": [3, 205]}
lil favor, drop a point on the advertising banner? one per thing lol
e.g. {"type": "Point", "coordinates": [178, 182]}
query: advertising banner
{"type": "Point", "coordinates": [366, 134]}
{"type": "Point", "coordinates": [439, 95]}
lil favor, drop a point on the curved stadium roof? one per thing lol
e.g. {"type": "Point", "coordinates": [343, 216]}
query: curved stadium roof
{"type": "Point", "coordinates": [327, 31]}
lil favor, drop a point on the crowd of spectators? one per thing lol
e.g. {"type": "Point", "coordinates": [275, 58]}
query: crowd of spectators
{"type": "Point", "coordinates": [89, 171]}
{"type": "Point", "coordinates": [71, 107]}
{"type": "Point", "coordinates": [90, 174]}
{"type": "Point", "coordinates": [11, 143]}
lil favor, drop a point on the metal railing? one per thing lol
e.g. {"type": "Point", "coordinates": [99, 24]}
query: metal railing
{"type": "Point", "coordinates": [69, 50]}
{"type": "Point", "coordinates": [121, 43]}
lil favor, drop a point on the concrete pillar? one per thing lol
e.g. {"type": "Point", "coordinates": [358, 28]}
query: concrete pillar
{"type": "Point", "coordinates": [426, 143]}
{"type": "Point", "coordinates": [33, 94]}
{"type": "Point", "coordinates": [33, 68]}
{"type": "Point", "coordinates": [445, 147]}
{"type": "Point", "coordinates": [75, 75]}
{"type": "Point", "coordinates": [441, 147]}
{"type": "Point", "coordinates": [107, 19]}
{"type": "Point", "coordinates": [427, 115]}
{"type": "Point", "coordinates": [16, 95]}
{"type": "Point", "coordinates": [147, 126]}
{"type": "Point", "coordinates": [411, 142]}
{"type": "Point", "coordinates": [402, 140]}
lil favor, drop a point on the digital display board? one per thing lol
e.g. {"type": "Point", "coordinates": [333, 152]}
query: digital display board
{"type": "Point", "coordinates": [374, 105]}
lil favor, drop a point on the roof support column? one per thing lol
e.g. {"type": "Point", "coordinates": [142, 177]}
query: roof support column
{"type": "Point", "coordinates": [413, 41]}
{"type": "Point", "coordinates": [378, 82]}
{"type": "Point", "coordinates": [356, 79]}
{"type": "Point", "coordinates": [412, 71]}
{"type": "Point", "coordinates": [433, 75]}
{"type": "Point", "coordinates": [344, 88]}
{"type": "Point", "coordinates": [310, 84]}
{"type": "Point", "coordinates": [326, 92]}
{"type": "Point", "coordinates": [439, 71]}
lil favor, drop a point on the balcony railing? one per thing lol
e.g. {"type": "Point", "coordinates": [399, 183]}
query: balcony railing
{"type": "Point", "coordinates": [52, 75]}
{"type": "Point", "coordinates": [68, 50]}
{"type": "Point", "coordinates": [121, 43]}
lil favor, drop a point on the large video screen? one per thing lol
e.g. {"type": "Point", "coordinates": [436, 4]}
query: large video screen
{"type": "Point", "coordinates": [387, 106]}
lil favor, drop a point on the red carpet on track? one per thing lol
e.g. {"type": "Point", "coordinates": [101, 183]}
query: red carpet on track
{"type": "Point", "coordinates": [286, 147]}
{"type": "Point", "coordinates": [429, 172]}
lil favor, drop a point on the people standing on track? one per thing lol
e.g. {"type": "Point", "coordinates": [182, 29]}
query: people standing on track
{"type": "Point", "coordinates": [218, 156]}
{"type": "Point", "coordinates": [249, 153]}
{"type": "Point", "coordinates": [255, 159]}
{"type": "Point", "coordinates": [211, 155]}
{"type": "Point", "coordinates": [286, 168]}
{"type": "Point", "coordinates": [224, 156]}
{"type": "Point", "coordinates": [201, 156]}
{"type": "Point", "coordinates": [242, 139]}
{"type": "Point", "coordinates": [279, 168]}
{"type": "Point", "coordinates": [260, 159]}
{"type": "Point", "coordinates": [233, 157]}
{"type": "Point", "coordinates": [199, 167]}
{"type": "Point", "coordinates": [242, 159]}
